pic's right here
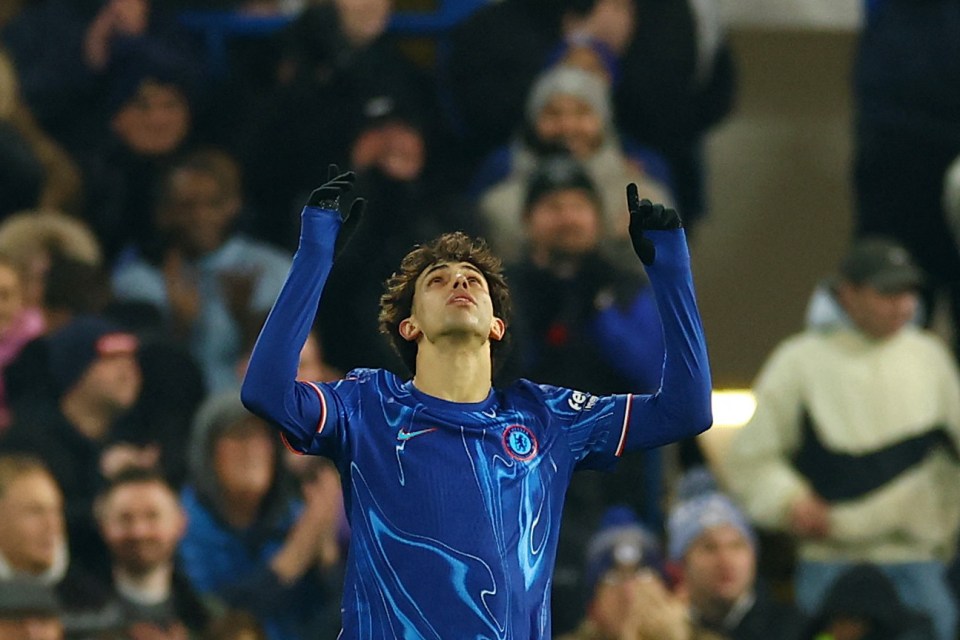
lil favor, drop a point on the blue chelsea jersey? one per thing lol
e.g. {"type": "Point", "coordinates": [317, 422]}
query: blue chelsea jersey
{"type": "Point", "coordinates": [454, 507]}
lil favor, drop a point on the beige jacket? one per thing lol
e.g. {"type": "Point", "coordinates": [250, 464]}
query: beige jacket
{"type": "Point", "coordinates": [861, 395]}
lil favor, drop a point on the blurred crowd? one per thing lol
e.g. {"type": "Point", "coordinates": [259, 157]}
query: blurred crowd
{"type": "Point", "coordinates": [149, 210]}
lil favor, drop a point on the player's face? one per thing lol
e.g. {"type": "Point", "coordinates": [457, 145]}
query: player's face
{"type": "Point", "coordinates": [142, 523]}
{"type": "Point", "coordinates": [878, 314]}
{"type": "Point", "coordinates": [32, 526]}
{"type": "Point", "coordinates": [719, 567]}
{"type": "Point", "coordinates": [452, 300]}
{"type": "Point", "coordinates": [571, 121]}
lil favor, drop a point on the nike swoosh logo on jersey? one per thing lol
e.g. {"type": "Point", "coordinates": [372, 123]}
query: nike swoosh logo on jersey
{"type": "Point", "coordinates": [404, 435]}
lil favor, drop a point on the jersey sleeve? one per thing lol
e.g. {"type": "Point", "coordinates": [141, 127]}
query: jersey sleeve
{"type": "Point", "coordinates": [305, 413]}
{"type": "Point", "coordinates": [595, 427]}
{"type": "Point", "coordinates": [681, 407]}
{"type": "Point", "coordinates": [338, 405]}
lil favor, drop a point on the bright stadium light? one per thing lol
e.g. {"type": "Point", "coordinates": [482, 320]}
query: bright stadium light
{"type": "Point", "coordinates": [733, 407]}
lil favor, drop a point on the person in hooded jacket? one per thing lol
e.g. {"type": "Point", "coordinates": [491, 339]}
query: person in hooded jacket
{"type": "Point", "coordinates": [852, 449]}
{"type": "Point", "coordinates": [250, 541]}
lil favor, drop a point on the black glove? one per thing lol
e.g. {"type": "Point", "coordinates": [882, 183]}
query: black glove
{"type": "Point", "coordinates": [646, 216]}
{"type": "Point", "coordinates": [327, 195]}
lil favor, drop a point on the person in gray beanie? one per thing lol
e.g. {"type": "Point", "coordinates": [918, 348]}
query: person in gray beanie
{"type": "Point", "coordinates": [569, 109]}
{"type": "Point", "coordinates": [715, 549]}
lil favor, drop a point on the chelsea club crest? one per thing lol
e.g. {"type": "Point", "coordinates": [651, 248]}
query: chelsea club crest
{"type": "Point", "coordinates": [519, 442]}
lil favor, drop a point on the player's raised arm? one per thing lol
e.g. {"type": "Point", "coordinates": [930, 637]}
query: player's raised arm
{"type": "Point", "coordinates": [681, 408]}
{"type": "Point", "coordinates": [269, 388]}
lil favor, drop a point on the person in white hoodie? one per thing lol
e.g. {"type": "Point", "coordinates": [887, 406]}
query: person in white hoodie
{"type": "Point", "coordinates": [853, 446]}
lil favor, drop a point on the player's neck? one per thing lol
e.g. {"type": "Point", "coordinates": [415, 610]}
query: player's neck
{"type": "Point", "coordinates": [455, 374]}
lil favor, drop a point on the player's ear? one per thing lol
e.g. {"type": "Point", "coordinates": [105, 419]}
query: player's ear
{"type": "Point", "coordinates": [408, 330]}
{"type": "Point", "coordinates": [497, 329]}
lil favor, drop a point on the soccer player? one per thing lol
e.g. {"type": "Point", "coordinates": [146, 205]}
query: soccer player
{"type": "Point", "coordinates": [454, 488]}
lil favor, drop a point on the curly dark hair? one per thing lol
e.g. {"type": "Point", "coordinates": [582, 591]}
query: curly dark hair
{"type": "Point", "coordinates": [396, 303]}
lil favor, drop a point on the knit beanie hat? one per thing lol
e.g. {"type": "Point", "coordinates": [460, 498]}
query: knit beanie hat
{"type": "Point", "coordinates": [700, 506]}
{"type": "Point", "coordinates": [558, 172]}
{"type": "Point", "coordinates": [72, 349]}
{"type": "Point", "coordinates": [570, 81]}
{"type": "Point", "coordinates": [621, 541]}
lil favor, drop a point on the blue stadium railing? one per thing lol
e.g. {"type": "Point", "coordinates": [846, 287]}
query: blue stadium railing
{"type": "Point", "coordinates": [216, 28]}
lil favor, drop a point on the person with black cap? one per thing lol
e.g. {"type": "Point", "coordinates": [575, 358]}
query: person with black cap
{"type": "Point", "coordinates": [852, 449]}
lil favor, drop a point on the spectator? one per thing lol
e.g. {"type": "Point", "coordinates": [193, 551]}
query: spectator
{"type": "Point", "coordinates": [907, 105]}
{"type": "Point", "coordinates": [407, 204]}
{"type": "Point", "coordinates": [862, 604]}
{"type": "Point", "coordinates": [574, 306]}
{"type": "Point", "coordinates": [851, 447]}
{"type": "Point", "coordinates": [70, 287]}
{"type": "Point", "coordinates": [58, 259]}
{"type": "Point", "coordinates": [33, 546]}
{"type": "Point", "coordinates": [249, 542]}
{"type": "Point", "coordinates": [570, 108]}
{"type": "Point", "coordinates": [29, 611]}
{"type": "Point", "coordinates": [584, 323]}
{"type": "Point", "coordinates": [32, 239]}
{"type": "Point", "coordinates": [142, 523]}
{"type": "Point", "coordinates": [151, 109]}
{"type": "Point", "coordinates": [35, 171]}
{"type": "Point", "coordinates": [212, 285]}
{"type": "Point", "coordinates": [313, 365]}
{"type": "Point", "coordinates": [671, 69]}
{"type": "Point", "coordinates": [68, 52]}
{"type": "Point", "coordinates": [334, 58]}
{"type": "Point", "coordinates": [18, 326]}
{"type": "Point", "coordinates": [96, 379]}
{"type": "Point", "coordinates": [715, 549]}
{"type": "Point", "coordinates": [628, 593]}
